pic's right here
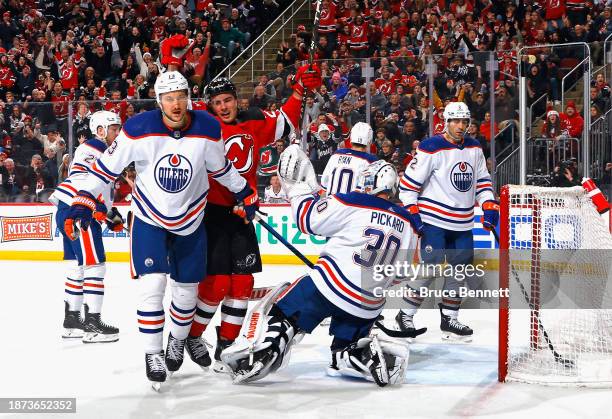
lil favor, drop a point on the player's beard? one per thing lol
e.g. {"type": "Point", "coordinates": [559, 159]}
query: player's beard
{"type": "Point", "coordinates": [177, 119]}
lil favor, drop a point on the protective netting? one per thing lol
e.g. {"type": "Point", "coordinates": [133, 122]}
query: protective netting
{"type": "Point", "coordinates": [559, 326]}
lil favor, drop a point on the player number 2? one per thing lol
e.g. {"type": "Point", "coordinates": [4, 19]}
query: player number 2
{"type": "Point", "coordinates": [382, 247]}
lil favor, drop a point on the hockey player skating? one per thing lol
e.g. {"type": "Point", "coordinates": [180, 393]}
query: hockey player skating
{"type": "Point", "coordinates": [85, 280]}
{"type": "Point", "coordinates": [233, 252]}
{"type": "Point", "coordinates": [346, 164]}
{"type": "Point", "coordinates": [336, 287]}
{"type": "Point", "coordinates": [441, 185]}
{"type": "Point", "coordinates": [173, 150]}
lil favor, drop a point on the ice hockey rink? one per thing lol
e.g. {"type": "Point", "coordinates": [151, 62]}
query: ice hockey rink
{"type": "Point", "coordinates": [108, 380]}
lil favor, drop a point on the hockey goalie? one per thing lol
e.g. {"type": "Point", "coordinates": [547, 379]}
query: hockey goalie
{"type": "Point", "coordinates": [335, 286]}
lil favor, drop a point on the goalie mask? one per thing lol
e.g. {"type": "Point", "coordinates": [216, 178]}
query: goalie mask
{"type": "Point", "coordinates": [378, 177]}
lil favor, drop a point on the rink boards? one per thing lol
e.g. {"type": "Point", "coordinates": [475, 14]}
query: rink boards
{"type": "Point", "coordinates": [29, 232]}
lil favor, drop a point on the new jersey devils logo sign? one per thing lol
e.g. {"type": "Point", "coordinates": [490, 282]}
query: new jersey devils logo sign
{"type": "Point", "coordinates": [239, 150]}
{"type": "Point", "coordinates": [266, 157]}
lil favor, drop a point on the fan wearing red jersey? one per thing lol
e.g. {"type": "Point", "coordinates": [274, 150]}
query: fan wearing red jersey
{"type": "Point", "coordinates": [233, 252]}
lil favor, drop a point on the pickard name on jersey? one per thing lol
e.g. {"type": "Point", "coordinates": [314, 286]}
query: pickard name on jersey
{"type": "Point", "coordinates": [445, 180]}
{"type": "Point", "coordinates": [363, 231]}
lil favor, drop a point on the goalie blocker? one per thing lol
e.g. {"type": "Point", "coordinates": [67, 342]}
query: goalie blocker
{"type": "Point", "coordinates": [277, 322]}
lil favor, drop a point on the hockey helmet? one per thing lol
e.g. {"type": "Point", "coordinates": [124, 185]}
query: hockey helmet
{"type": "Point", "coordinates": [218, 86]}
{"type": "Point", "coordinates": [378, 177]}
{"type": "Point", "coordinates": [170, 81]}
{"type": "Point", "coordinates": [103, 119]}
{"type": "Point", "coordinates": [361, 134]}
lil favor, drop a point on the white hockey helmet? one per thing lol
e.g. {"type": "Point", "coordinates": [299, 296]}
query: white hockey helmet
{"type": "Point", "coordinates": [171, 81]}
{"type": "Point", "coordinates": [361, 134]}
{"type": "Point", "coordinates": [378, 177]}
{"type": "Point", "coordinates": [103, 119]}
{"type": "Point", "coordinates": [456, 110]}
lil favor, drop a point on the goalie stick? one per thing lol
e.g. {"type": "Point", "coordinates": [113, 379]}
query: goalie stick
{"type": "Point", "coordinates": [568, 363]}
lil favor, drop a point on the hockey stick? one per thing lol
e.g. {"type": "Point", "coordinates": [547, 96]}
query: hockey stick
{"type": "Point", "coordinates": [568, 363]}
{"type": "Point", "coordinates": [315, 28]}
{"type": "Point", "coordinates": [282, 239]}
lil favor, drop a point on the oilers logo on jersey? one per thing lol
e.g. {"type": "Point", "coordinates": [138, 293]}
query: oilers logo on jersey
{"type": "Point", "coordinates": [462, 176]}
{"type": "Point", "coordinates": [173, 173]}
{"type": "Point", "coordinates": [239, 150]}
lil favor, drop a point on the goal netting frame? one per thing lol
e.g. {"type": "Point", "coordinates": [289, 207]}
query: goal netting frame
{"type": "Point", "coordinates": [553, 242]}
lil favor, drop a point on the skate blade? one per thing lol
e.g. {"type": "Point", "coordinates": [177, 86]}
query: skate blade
{"type": "Point", "coordinates": [221, 368]}
{"type": "Point", "coordinates": [157, 386]}
{"type": "Point", "coordinates": [99, 338]}
{"type": "Point", "coordinates": [453, 338]}
{"type": "Point", "coordinates": [72, 334]}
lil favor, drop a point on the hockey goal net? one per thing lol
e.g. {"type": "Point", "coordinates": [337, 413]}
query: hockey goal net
{"type": "Point", "coordinates": [555, 258]}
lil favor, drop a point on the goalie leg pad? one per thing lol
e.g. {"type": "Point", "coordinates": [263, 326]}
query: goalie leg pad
{"type": "Point", "coordinates": [264, 343]}
{"type": "Point", "coordinates": [296, 173]}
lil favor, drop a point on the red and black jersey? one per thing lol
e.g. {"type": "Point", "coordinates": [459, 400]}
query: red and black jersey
{"type": "Point", "coordinates": [7, 78]}
{"type": "Point", "coordinates": [358, 39]}
{"type": "Point", "coordinates": [555, 9]}
{"type": "Point", "coordinates": [327, 21]}
{"type": "Point", "coordinates": [60, 104]}
{"type": "Point", "coordinates": [252, 130]}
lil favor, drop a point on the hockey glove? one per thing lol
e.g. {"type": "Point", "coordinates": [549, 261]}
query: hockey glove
{"type": "Point", "coordinates": [114, 221]}
{"type": "Point", "coordinates": [173, 50]}
{"type": "Point", "coordinates": [491, 215]}
{"type": "Point", "coordinates": [307, 78]}
{"type": "Point", "coordinates": [415, 219]}
{"type": "Point", "coordinates": [82, 209]}
{"type": "Point", "coordinates": [248, 202]}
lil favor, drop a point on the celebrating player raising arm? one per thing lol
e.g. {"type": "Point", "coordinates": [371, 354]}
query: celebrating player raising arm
{"type": "Point", "coordinates": [233, 252]}
{"type": "Point", "coordinates": [174, 151]}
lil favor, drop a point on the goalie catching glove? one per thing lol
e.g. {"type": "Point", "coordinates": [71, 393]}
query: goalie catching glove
{"type": "Point", "coordinates": [296, 173]}
{"type": "Point", "coordinates": [372, 358]}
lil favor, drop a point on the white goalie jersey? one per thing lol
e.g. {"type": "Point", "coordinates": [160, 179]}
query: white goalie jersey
{"type": "Point", "coordinates": [363, 231]}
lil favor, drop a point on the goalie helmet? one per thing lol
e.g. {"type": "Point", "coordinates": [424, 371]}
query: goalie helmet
{"type": "Point", "coordinates": [170, 81]}
{"type": "Point", "coordinates": [378, 177]}
{"type": "Point", "coordinates": [219, 86]}
{"type": "Point", "coordinates": [361, 134]}
{"type": "Point", "coordinates": [103, 119]}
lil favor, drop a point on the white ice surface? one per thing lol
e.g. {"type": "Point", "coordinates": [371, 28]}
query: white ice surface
{"type": "Point", "coordinates": [108, 380]}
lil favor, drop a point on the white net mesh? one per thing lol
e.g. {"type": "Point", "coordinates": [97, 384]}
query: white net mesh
{"type": "Point", "coordinates": [560, 253]}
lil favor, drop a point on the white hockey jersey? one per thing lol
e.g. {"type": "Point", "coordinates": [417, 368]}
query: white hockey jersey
{"type": "Point", "coordinates": [342, 170]}
{"type": "Point", "coordinates": [172, 166]}
{"type": "Point", "coordinates": [84, 157]}
{"type": "Point", "coordinates": [363, 231]}
{"type": "Point", "coordinates": [445, 180]}
{"type": "Point", "coordinates": [271, 197]}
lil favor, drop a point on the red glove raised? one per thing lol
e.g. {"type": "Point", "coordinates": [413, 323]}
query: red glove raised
{"type": "Point", "coordinates": [307, 78]}
{"type": "Point", "coordinates": [173, 49]}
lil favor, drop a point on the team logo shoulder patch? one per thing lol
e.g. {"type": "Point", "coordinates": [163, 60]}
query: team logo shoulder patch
{"type": "Point", "coordinates": [462, 176]}
{"type": "Point", "coordinates": [173, 172]}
